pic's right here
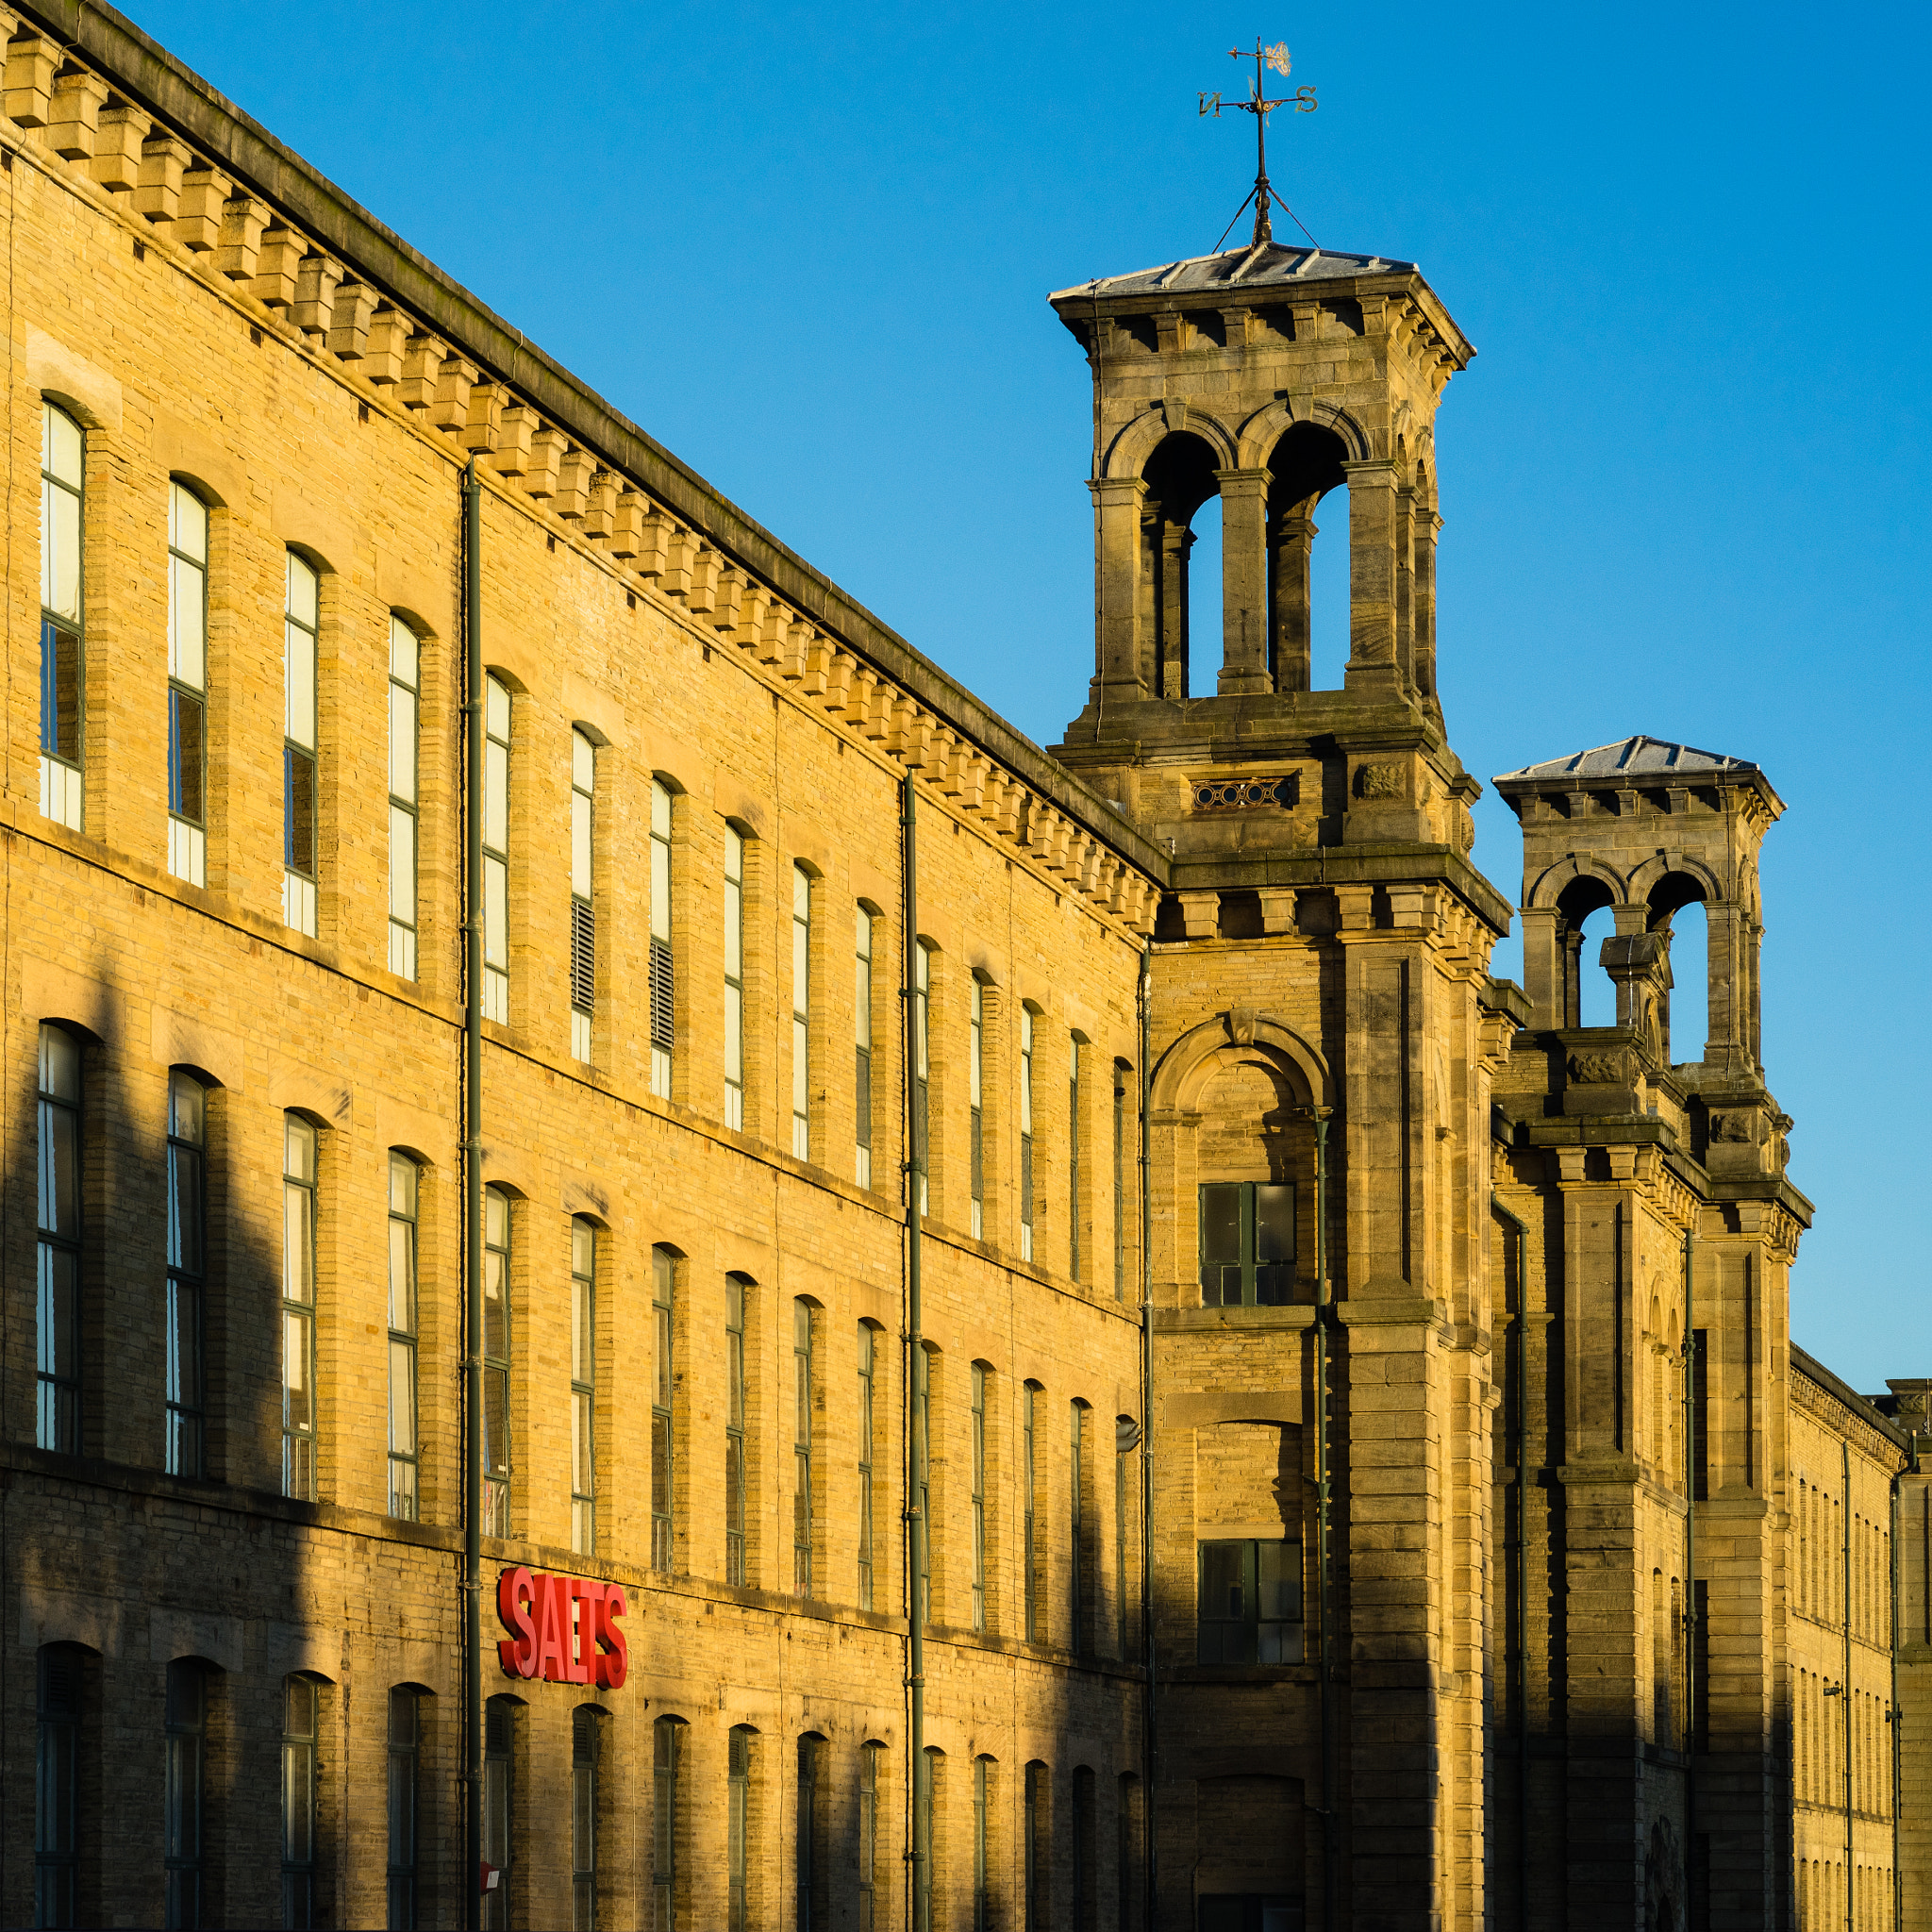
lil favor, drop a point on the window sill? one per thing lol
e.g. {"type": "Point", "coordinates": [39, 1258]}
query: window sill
{"type": "Point", "coordinates": [1295, 1315]}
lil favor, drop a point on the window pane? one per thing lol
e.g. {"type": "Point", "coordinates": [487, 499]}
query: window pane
{"type": "Point", "coordinates": [60, 445]}
{"type": "Point", "coordinates": [402, 1398]}
{"type": "Point", "coordinates": [297, 1410]}
{"type": "Point", "coordinates": [298, 1234]}
{"type": "Point", "coordinates": [61, 1171]}
{"type": "Point", "coordinates": [580, 845]}
{"type": "Point", "coordinates": [402, 865]}
{"type": "Point", "coordinates": [186, 756]}
{"type": "Point", "coordinates": [300, 658]}
{"type": "Point", "coordinates": [186, 623]}
{"type": "Point", "coordinates": [402, 652]}
{"type": "Point", "coordinates": [1278, 1580]}
{"type": "Point", "coordinates": [1220, 1579]}
{"type": "Point", "coordinates": [402, 743]}
{"type": "Point", "coordinates": [495, 1308]}
{"type": "Point", "coordinates": [302, 589]}
{"type": "Point", "coordinates": [187, 522]}
{"type": "Point", "coordinates": [60, 574]}
{"type": "Point", "coordinates": [496, 913]}
{"type": "Point", "coordinates": [496, 707]}
{"type": "Point", "coordinates": [1220, 1244]}
{"type": "Point", "coordinates": [496, 796]}
{"type": "Point", "coordinates": [1273, 1224]}
{"type": "Point", "coordinates": [299, 822]}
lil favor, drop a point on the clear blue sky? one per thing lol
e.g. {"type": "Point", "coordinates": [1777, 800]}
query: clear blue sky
{"type": "Point", "coordinates": [808, 249]}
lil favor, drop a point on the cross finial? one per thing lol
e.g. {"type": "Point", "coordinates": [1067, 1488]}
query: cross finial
{"type": "Point", "coordinates": [1260, 107]}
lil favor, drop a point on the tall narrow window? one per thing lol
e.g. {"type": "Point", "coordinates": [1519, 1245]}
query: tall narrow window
{"type": "Point", "coordinates": [583, 917]}
{"type": "Point", "coordinates": [187, 1276]}
{"type": "Point", "coordinates": [583, 1387]}
{"type": "Point", "coordinates": [1127, 1884]}
{"type": "Point", "coordinates": [299, 1741]}
{"type": "Point", "coordinates": [1247, 1245]}
{"type": "Point", "coordinates": [663, 1004]}
{"type": "Point", "coordinates": [499, 1807]}
{"type": "Point", "coordinates": [57, 1399]}
{"type": "Point", "coordinates": [1126, 1438]}
{"type": "Point", "coordinates": [404, 1500]}
{"type": "Point", "coordinates": [979, 1495]}
{"type": "Point", "coordinates": [62, 676]}
{"type": "Point", "coordinates": [925, 1797]}
{"type": "Point", "coordinates": [57, 1785]}
{"type": "Point", "coordinates": [865, 1445]}
{"type": "Point", "coordinates": [1029, 1476]}
{"type": "Point", "coordinates": [982, 1879]}
{"type": "Point", "coordinates": [404, 719]}
{"type": "Point", "coordinates": [922, 1074]}
{"type": "Point", "coordinates": [583, 1820]}
{"type": "Point", "coordinates": [734, 977]}
{"type": "Point", "coordinates": [738, 1823]}
{"type": "Point", "coordinates": [405, 1766]}
{"type": "Point", "coordinates": [1035, 1864]}
{"type": "Point", "coordinates": [1073, 1256]}
{"type": "Point", "coordinates": [663, 1440]}
{"type": "Point", "coordinates": [861, 1084]}
{"type": "Point", "coordinates": [1025, 1133]}
{"type": "Point", "coordinates": [185, 1719]}
{"type": "Point", "coordinates": [922, 1478]}
{"type": "Point", "coordinates": [869, 1918]}
{"type": "Point", "coordinates": [1120, 1182]}
{"type": "Point", "coordinates": [666, 1741]}
{"type": "Point", "coordinates": [495, 850]}
{"type": "Point", "coordinates": [975, 1074]}
{"type": "Point", "coordinates": [298, 1307]}
{"type": "Point", "coordinates": [734, 1429]}
{"type": "Point", "coordinates": [801, 1014]}
{"type": "Point", "coordinates": [496, 1347]}
{"type": "Point", "coordinates": [813, 1904]}
{"type": "Point", "coordinates": [1076, 1529]}
{"type": "Point", "coordinates": [187, 686]}
{"type": "Point", "coordinates": [1251, 1603]}
{"type": "Point", "coordinates": [300, 801]}
{"type": "Point", "coordinates": [800, 1449]}
{"type": "Point", "coordinates": [1083, 1835]}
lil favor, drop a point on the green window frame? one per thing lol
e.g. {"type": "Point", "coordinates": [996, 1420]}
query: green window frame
{"type": "Point", "coordinates": [1250, 1602]}
{"type": "Point", "coordinates": [867, 1391]}
{"type": "Point", "coordinates": [1247, 1245]}
{"type": "Point", "coordinates": [583, 1386]}
{"type": "Point", "coordinates": [663, 1434]}
{"type": "Point", "coordinates": [299, 1422]}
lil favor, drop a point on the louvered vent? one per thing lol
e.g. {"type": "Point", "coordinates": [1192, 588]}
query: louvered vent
{"type": "Point", "coordinates": [661, 1029]}
{"type": "Point", "coordinates": [583, 957]}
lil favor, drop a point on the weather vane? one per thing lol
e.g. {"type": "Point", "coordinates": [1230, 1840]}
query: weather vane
{"type": "Point", "coordinates": [1260, 107]}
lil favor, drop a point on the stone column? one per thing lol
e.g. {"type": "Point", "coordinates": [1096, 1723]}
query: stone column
{"type": "Point", "coordinates": [1728, 993]}
{"type": "Point", "coordinates": [1372, 669]}
{"type": "Point", "coordinates": [1542, 966]}
{"type": "Point", "coordinates": [1117, 584]}
{"type": "Point", "coordinates": [1293, 540]}
{"type": "Point", "coordinates": [1171, 605]}
{"type": "Point", "coordinates": [1243, 582]}
{"type": "Point", "coordinates": [1426, 523]}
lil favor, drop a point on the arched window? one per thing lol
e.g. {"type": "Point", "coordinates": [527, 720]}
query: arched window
{"type": "Point", "coordinates": [583, 1386]}
{"type": "Point", "coordinates": [496, 743]}
{"type": "Point", "coordinates": [1127, 1858]}
{"type": "Point", "coordinates": [1026, 1011]}
{"type": "Point", "coordinates": [301, 804]}
{"type": "Point", "coordinates": [586, 1739]}
{"type": "Point", "coordinates": [981, 1375]}
{"type": "Point", "coordinates": [801, 1014]}
{"type": "Point", "coordinates": [57, 1411]}
{"type": "Point", "coordinates": [405, 1773]}
{"type": "Point", "coordinates": [59, 1828]}
{"type": "Point", "coordinates": [583, 917]}
{"type": "Point", "coordinates": [301, 1737]}
{"type": "Point", "coordinates": [861, 1014]}
{"type": "Point", "coordinates": [405, 1499]}
{"type": "Point", "coordinates": [1075, 1216]}
{"type": "Point", "coordinates": [976, 1096]}
{"type": "Point", "coordinates": [866, 1425]}
{"type": "Point", "coordinates": [405, 716]}
{"type": "Point", "coordinates": [1180, 479]}
{"type": "Point", "coordinates": [804, 1502]}
{"type": "Point", "coordinates": [1123, 1074]}
{"type": "Point", "coordinates": [662, 986]}
{"type": "Point", "coordinates": [924, 1360]}
{"type": "Point", "coordinates": [1205, 564]}
{"type": "Point", "coordinates": [871, 1782]}
{"type": "Point", "coordinates": [1086, 1879]}
{"type": "Point", "coordinates": [187, 685]}
{"type": "Point", "coordinates": [739, 1826]}
{"type": "Point", "coordinates": [1309, 582]}
{"type": "Point", "coordinates": [664, 1409]}
{"type": "Point", "coordinates": [1589, 999]}
{"type": "Point", "coordinates": [813, 1821]}
{"type": "Point", "coordinates": [1126, 1440]}
{"type": "Point", "coordinates": [734, 977]}
{"type": "Point", "coordinates": [498, 1338]}
{"type": "Point", "coordinates": [928, 1841]}
{"type": "Point", "coordinates": [1036, 1842]}
{"type": "Point", "coordinates": [62, 659]}
{"type": "Point", "coordinates": [1080, 1566]}
{"type": "Point", "coordinates": [667, 1823]}
{"type": "Point", "coordinates": [184, 1831]}
{"type": "Point", "coordinates": [984, 1798]}
{"type": "Point", "coordinates": [299, 1422]}
{"type": "Point", "coordinates": [499, 1808]}
{"type": "Point", "coordinates": [922, 1073]}
{"type": "Point", "coordinates": [737, 1475]}
{"type": "Point", "coordinates": [187, 1314]}
{"type": "Point", "coordinates": [1032, 1564]}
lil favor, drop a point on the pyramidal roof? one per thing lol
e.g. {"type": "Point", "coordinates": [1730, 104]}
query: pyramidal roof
{"type": "Point", "coordinates": [1259, 264]}
{"type": "Point", "coordinates": [1639, 756]}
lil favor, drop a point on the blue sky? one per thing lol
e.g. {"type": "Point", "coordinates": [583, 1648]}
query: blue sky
{"type": "Point", "coordinates": [808, 250]}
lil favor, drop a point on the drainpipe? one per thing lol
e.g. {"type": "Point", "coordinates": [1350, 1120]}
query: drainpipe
{"type": "Point", "coordinates": [1325, 1571]}
{"type": "Point", "coordinates": [1150, 1854]}
{"type": "Point", "coordinates": [1844, 1450]}
{"type": "Point", "coordinates": [472, 1198]}
{"type": "Point", "coordinates": [1690, 1620]}
{"type": "Point", "coordinates": [1520, 1460]}
{"type": "Point", "coordinates": [915, 1517]}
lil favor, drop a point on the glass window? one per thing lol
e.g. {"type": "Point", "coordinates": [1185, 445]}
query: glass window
{"type": "Point", "coordinates": [861, 1014]}
{"type": "Point", "coordinates": [737, 1824]}
{"type": "Point", "coordinates": [583, 1386]}
{"type": "Point", "coordinates": [735, 1480]}
{"type": "Point", "coordinates": [1251, 1603]}
{"type": "Point", "coordinates": [496, 1347]}
{"type": "Point", "coordinates": [925, 1797]}
{"type": "Point", "coordinates": [300, 800]}
{"type": "Point", "coordinates": [814, 1905]}
{"type": "Point", "coordinates": [734, 977]}
{"type": "Point", "coordinates": [1128, 1883]}
{"type": "Point", "coordinates": [62, 672]}
{"type": "Point", "coordinates": [663, 1006]}
{"type": "Point", "coordinates": [975, 1077]}
{"type": "Point", "coordinates": [496, 721]}
{"type": "Point", "coordinates": [187, 685]}
{"type": "Point", "coordinates": [405, 1767]}
{"type": "Point", "coordinates": [299, 1741]}
{"type": "Point", "coordinates": [865, 1448]}
{"type": "Point", "coordinates": [1073, 1254]}
{"type": "Point", "coordinates": [979, 1373]}
{"type": "Point", "coordinates": [1120, 1182]}
{"type": "Point", "coordinates": [666, 1825]}
{"type": "Point", "coordinates": [1076, 1529]}
{"type": "Point", "coordinates": [1025, 1133]}
{"type": "Point", "coordinates": [663, 1440]}
{"type": "Point", "coordinates": [801, 1512]}
{"type": "Point", "coordinates": [499, 1808]}
{"type": "Point", "coordinates": [801, 1014]}
{"type": "Point", "coordinates": [404, 728]}
{"type": "Point", "coordinates": [983, 1906]}
{"type": "Point", "coordinates": [1037, 1856]}
{"type": "Point", "coordinates": [298, 1307]}
{"type": "Point", "coordinates": [922, 1074]}
{"type": "Point", "coordinates": [585, 1728]}
{"type": "Point", "coordinates": [1247, 1245]}
{"type": "Point", "coordinates": [922, 1480]}
{"type": "Point", "coordinates": [57, 1783]}
{"type": "Point", "coordinates": [1029, 1476]}
{"type": "Point", "coordinates": [869, 1758]}
{"type": "Point", "coordinates": [1084, 1898]}
{"type": "Point", "coordinates": [583, 918]}
{"type": "Point", "coordinates": [1126, 1438]}
{"type": "Point", "coordinates": [185, 1715]}
{"type": "Point", "coordinates": [404, 1184]}
{"type": "Point", "coordinates": [57, 1264]}
{"type": "Point", "coordinates": [187, 1276]}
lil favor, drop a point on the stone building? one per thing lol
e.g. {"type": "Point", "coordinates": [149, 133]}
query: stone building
{"type": "Point", "coordinates": [1328, 1412]}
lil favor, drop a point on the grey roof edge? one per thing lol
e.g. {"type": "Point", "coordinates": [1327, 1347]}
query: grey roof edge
{"type": "Point", "coordinates": [1557, 773]}
{"type": "Point", "coordinates": [1369, 265]}
{"type": "Point", "coordinates": [1860, 1406]}
{"type": "Point", "coordinates": [138, 66]}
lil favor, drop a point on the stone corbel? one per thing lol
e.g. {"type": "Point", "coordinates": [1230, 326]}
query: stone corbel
{"type": "Point", "coordinates": [449, 409]}
{"type": "Point", "coordinates": [676, 580]}
{"type": "Point", "coordinates": [1200, 914]}
{"type": "Point", "coordinates": [731, 590]}
{"type": "Point", "coordinates": [73, 114]}
{"type": "Point", "coordinates": [198, 222]}
{"type": "Point", "coordinates": [839, 675]}
{"type": "Point", "coordinates": [573, 472]}
{"type": "Point", "coordinates": [654, 547]}
{"type": "Point", "coordinates": [600, 505]}
{"type": "Point", "coordinates": [421, 363]}
{"type": "Point", "coordinates": [31, 63]}
{"type": "Point", "coordinates": [702, 597]}
{"type": "Point", "coordinates": [348, 318]}
{"type": "Point", "coordinates": [316, 283]}
{"type": "Point", "coordinates": [276, 267]}
{"type": "Point", "coordinates": [628, 524]}
{"type": "Point", "coordinates": [388, 341]}
{"type": "Point", "coordinates": [547, 446]}
{"type": "Point", "coordinates": [753, 612]}
{"type": "Point", "coordinates": [1277, 910]}
{"type": "Point", "coordinates": [798, 643]}
{"type": "Point", "coordinates": [157, 186]}
{"type": "Point", "coordinates": [818, 667]}
{"type": "Point", "coordinates": [118, 135]}
{"type": "Point", "coordinates": [483, 426]}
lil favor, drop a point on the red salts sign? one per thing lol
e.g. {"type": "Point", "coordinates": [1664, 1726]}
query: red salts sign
{"type": "Point", "coordinates": [562, 1629]}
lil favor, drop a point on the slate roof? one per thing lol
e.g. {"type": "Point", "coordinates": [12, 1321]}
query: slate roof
{"type": "Point", "coordinates": [1639, 756]}
{"type": "Point", "coordinates": [1274, 263]}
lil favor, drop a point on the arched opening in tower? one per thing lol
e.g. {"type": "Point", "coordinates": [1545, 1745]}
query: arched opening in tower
{"type": "Point", "coordinates": [1307, 579]}
{"type": "Point", "coordinates": [1589, 995]}
{"type": "Point", "coordinates": [1677, 908]}
{"type": "Point", "coordinates": [1180, 479]}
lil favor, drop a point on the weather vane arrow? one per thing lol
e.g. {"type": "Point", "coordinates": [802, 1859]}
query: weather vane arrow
{"type": "Point", "coordinates": [1260, 107]}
